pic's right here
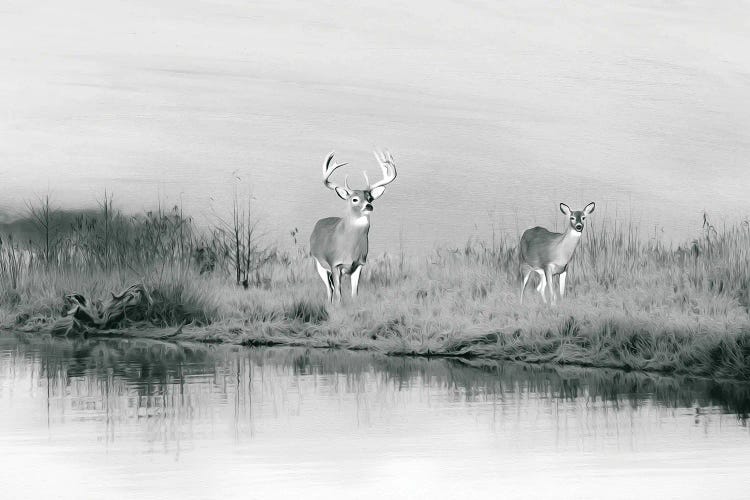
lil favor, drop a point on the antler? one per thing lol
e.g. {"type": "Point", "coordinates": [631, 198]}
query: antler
{"type": "Point", "coordinates": [328, 169]}
{"type": "Point", "coordinates": [388, 166]}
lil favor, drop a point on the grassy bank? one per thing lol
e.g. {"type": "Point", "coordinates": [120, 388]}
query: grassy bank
{"type": "Point", "coordinates": [633, 302]}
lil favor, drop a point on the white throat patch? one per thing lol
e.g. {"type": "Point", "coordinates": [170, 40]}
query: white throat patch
{"type": "Point", "coordinates": [362, 221]}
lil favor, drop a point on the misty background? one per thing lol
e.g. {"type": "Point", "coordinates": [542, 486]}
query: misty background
{"type": "Point", "coordinates": [494, 111]}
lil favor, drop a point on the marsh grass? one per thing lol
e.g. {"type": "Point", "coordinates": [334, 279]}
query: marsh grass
{"type": "Point", "coordinates": [632, 303]}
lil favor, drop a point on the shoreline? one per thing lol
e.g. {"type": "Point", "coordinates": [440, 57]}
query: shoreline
{"type": "Point", "coordinates": [475, 362]}
{"type": "Point", "coordinates": [704, 355]}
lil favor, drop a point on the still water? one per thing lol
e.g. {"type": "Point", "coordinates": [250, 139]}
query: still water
{"type": "Point", "coordinates": [145, 419]}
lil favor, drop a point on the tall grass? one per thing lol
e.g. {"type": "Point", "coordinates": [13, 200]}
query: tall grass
{"type": "Point", "coordinates": [95, 252]}
{"type": "Point", "coordinates": [633, 302]}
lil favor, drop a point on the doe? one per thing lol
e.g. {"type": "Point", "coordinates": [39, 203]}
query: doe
{"type": "Point", "coordinates": [548, 253]}
{"type": "Point", "coordinates": [340, 244]}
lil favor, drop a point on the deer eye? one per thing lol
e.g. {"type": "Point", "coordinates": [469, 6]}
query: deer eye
{"type": "Point", "coordinates": [572, 218]}
{"type": "Point", "coordinates": [355, 200]}
{"type": "Point", "coordinates": [583, 218]}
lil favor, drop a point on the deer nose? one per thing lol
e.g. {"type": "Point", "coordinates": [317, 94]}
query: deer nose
{"type": "Point", "coordinates": [579, 227]}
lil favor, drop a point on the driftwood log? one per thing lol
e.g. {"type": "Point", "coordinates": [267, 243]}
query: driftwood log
{"type": "Point", "coordinates": [80, 316]}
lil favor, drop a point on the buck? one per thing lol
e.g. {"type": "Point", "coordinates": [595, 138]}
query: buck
{"type": "Point", "coordinates": [548, 254]}
{"type": "Point", "coordinates": [339, 244]}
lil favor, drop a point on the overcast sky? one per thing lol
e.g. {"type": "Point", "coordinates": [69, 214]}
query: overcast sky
{"type": "Point", "coordinates": [494, 111]}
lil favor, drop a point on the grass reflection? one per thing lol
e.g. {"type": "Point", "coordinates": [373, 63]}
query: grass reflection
{"type": "Point", "coordinates": [153, 374]}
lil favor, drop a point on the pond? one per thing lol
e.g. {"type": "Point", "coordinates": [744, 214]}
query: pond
{"type": "Point", "coordinates": [118, 418]}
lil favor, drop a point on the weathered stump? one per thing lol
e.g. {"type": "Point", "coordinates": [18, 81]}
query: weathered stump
{"type": "Point", "coordinates": [83, 316]}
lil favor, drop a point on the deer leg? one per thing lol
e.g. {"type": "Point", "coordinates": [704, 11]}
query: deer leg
{"type": "Point", "coordinates": [562, 283]}
{"type": "Point", "coordinates": [526, 273]}
{"type": "Point", "coordinates": [336, 273]}
{"type": "Point", "coordinates": [552, 292]}
{"type": "Point", "coordinates": [542, 284]}
{"type": "Point", "coordinates": [355, 280]}
{"type": "Point", "coordinates": [325, 275]}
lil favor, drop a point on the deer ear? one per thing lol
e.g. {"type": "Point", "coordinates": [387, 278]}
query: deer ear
{"type": "Point", "coordinates": [342, 192]}
{"type": "Point", "coordinates": [589, 208]}
{"type": "Point", "coordinates": [377, 192]}
{"type": "Point", "coordinates": [564, 208]}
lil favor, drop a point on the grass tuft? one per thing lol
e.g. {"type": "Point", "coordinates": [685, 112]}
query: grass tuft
{"type": "Point", "coordinates": [306, 311]}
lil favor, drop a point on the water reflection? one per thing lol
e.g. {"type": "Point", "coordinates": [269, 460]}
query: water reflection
{"type": "Point", "coordinates": [151, 371]}
{"type": "Point", "coordinates": [299, 416]}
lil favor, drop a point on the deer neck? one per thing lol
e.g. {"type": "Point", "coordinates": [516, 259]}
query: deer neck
{"type": "Point", "coordinates": [357, 223]}
{"type": "Point", "coordinates": [569, 242]}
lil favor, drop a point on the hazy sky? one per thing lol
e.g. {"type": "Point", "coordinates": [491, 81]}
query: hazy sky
{"type": "Point", "coordinates": [494, 111]}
